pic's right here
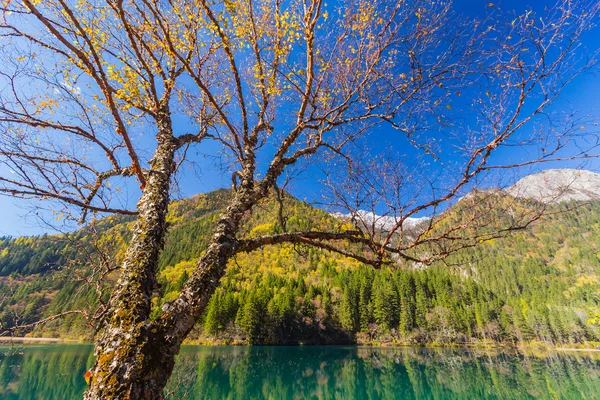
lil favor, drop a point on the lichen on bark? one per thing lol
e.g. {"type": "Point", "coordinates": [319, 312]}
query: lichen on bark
{"type": "Point", "coordinates": [126, 348]}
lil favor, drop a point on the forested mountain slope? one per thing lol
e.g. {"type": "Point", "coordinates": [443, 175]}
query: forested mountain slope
{"type": "Point", "coordinates": [540, 284]}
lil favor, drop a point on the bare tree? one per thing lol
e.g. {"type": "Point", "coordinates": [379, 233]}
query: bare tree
{"type": "Point", "coordinates": [91, 91]}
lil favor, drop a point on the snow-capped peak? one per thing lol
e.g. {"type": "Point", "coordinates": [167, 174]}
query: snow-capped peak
{"type": "Point", "coordinates": [369, 219]}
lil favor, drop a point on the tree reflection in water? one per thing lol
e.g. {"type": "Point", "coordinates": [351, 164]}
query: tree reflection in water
{"type": "Point", "coordinates": [56, 372]}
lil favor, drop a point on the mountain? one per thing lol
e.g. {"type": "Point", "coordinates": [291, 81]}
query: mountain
{"type": "Point", "coordinates": [558, 185]}
{"type": "Point", "coordinates": [549, 186]}
{"type": "Point", "coordinates": [383, 222]}
{"type": "Point", "coordinates": [538, 285]}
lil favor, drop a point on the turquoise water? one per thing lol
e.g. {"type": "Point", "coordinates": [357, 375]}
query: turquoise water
{"type": "Point", "coordinates": [56, 372]}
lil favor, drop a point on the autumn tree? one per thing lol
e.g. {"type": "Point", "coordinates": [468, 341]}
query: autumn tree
{"type": "Point", "coordinates": [102, 96]}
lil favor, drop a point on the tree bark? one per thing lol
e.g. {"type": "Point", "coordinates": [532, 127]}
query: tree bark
{"type": "Point", "coordinates": [139, 368]}
{"type": "Point", "coordinates": [135, 355]}
{"type": "Point", "coordinates": [126, 339]}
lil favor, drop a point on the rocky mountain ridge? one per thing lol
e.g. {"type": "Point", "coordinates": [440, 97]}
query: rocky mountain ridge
{"type": "Point", "coordinates": [549, 186]}
{"type": "Point", "coordinates": [558, 185]}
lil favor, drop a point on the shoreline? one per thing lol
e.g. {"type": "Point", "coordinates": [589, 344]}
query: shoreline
{"type": "Point", "coordinates": [34, 340]}
{"type": "Point", "coordinates": [24, 339]}
{"type": "Point", "coordinates": [567, 349]}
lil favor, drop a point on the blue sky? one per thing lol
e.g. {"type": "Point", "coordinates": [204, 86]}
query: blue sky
{"type": "Point", "coordinates": [18, 217]}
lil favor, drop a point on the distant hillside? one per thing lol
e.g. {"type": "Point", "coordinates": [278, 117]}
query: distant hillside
{"type": "Point", "coordinates": [537, 285]}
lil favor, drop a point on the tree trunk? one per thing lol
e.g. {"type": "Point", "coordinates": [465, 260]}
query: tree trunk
{"type": "Point", "coordinates": [135, 356]}
{"type": "Point", "coordinates": [140, 367]}
{"type": "Point", "coordinates": [126, 339]}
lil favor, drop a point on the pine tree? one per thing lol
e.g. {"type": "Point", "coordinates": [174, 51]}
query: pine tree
{"type": "Point", "coordinates": [406, 290]}
{"type": "Point", "coordinates": [252, 318]}
{"type": "Point", "coordinates": [523, 330]}
{"type": "Point", "coordinates": [421, 306]}
{"type": "Point", "coordinates": [363, 304]}
{"type": "Point", "coordinates": [212, 321]}
{"type": "Point", "coordinates": [385, 303]}
{"type": "Point", "coordinates": [347, 310]}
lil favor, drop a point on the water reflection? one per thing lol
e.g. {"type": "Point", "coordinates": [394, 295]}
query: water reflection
{"type": "Point", "coordinates": [56, 372]}
{"type": "Point", "coordinates": [43, 372]}
{"type": "Point", "coordinates": [363, 373]}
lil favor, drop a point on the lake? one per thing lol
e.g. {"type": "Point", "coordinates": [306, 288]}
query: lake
{"type": "Point", "coordinates": [56, 372]}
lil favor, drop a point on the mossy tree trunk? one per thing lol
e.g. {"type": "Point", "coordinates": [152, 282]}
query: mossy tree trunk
{"type": "Point", "coordinates": [135, 358]}
{"type": "Point", "coordinates": [135, 354]}
{"type": "Point", "coordinates": [126, 340]}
